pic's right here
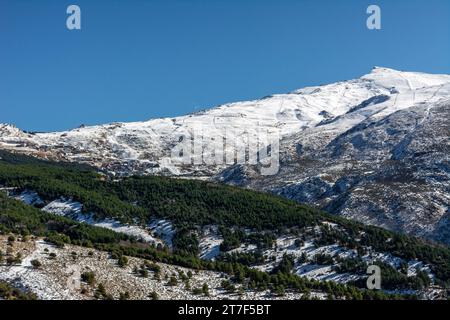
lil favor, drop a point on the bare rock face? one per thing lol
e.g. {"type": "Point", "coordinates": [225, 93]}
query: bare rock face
{"type": "Point", "coordinates": [374, 149]}
{"type": "Point", "coordinates": [392, 172]}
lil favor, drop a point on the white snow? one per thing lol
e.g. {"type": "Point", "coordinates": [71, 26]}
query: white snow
{"type": "Point", "coordinates": [63, 207]}
{"type": "Point", "coordinates": [146, 145]}
{"type": "Point", "coordinates": [163, 229]}
{"type": "Point", "coordinates": [30, 198]}
{"type": "Point", "coordinates": [73, 210]}
{"type": "Point", "coordinates": [26, 277]}
{"type": "Point", "coordinates": [210, 243]}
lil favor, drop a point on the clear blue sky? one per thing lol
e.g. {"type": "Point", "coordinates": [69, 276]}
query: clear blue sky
{"type": "Point", "coordinates": [135, 60]}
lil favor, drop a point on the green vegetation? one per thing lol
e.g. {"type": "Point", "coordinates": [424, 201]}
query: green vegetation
{"type": "Point", "coordinates": [286, 265]}
{"type": "Point", "coordinates": [36, 264]}
{"type": "Point", "coordinates": [395, 280]}
{"type": "Point", "coordinates": [17, 217]}
{"type": "Point", "coordinates": [245, 258]}
{"type": "Point", "coordinates": [9, 293]}
{"type": "Point", "coordinates": [173, 281]}
{"type": "Point", "coordinates": [154, 296]}
{"type": "Point", "coordinates": [88, 277]}
{"type": "Point", "coordinates": [205, 289]}
{"type": "Point", "coordinates": [228, 286]}
{"type": "Point", "coordinates": [122, 261]}
{"type": "Point", "coordinates": [323, 259]}
{"type": "Point", "coordinates": [124, 295]}
{"type": "Point", "coordinates": [100, 293]}
{"type": "Point", "coordinates": [14, 260]}
{"type": "Point", "coordinates": [190, 205]}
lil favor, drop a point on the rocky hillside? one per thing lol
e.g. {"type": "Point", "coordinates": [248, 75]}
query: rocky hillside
{"type": "Point", "coordinates": [70, 272]}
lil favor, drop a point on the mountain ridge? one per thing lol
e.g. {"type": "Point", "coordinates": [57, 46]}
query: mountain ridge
{"type": "Point", "coordinates": [343, 146]}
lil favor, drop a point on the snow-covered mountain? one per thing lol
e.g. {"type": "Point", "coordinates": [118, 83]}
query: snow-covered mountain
{"type": "Point", "coordinates": [374, 149]}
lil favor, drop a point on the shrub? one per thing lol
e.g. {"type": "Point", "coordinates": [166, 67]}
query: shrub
{"type": "Point", "coordinates": [88, 277]}
{"type": "Point", "coordinates": [153, 295]}
{"type": "Point", "coordinates": [205, 289]}
{"type": "Point", "coordinates": [122, 262]}
{"type": "Point", "coordinates": [173, 281]}
{"type": "Point", "coordinates": [36, 264]}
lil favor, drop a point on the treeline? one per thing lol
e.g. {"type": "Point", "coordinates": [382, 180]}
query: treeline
{"type": "Point", "coordinates": [18, 218]}
{"type": "Point", "coordinates": [15, 158]}
{"type": "Point", "coordinates": [181, 201]}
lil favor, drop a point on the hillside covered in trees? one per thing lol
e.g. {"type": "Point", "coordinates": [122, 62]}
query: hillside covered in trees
{"type": "Point", "coordinates": [242, 217]}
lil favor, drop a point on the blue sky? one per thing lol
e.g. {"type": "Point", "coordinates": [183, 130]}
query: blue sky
{"type": "Point", "coordinates": [135, 60]}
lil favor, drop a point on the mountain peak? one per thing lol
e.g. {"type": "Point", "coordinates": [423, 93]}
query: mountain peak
{"type": "Point", "coordinates": [383, 69]}
{"type": "Point", "coordinates": [377, 69]}
{"type": "Point", "coordinates": [7, 127]}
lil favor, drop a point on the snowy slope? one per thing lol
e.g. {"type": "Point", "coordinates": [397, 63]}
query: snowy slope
{"type": "Point", "coordinates": [146, 145]}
